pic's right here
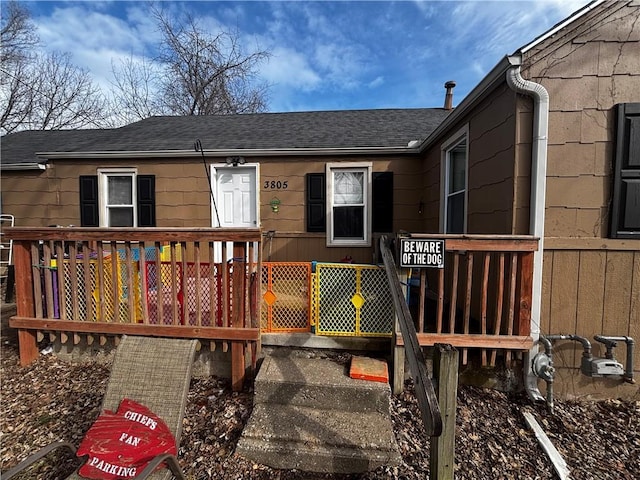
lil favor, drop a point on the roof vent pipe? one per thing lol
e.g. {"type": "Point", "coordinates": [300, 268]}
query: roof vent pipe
{"type": "Point", "coordinates": [448, 97]}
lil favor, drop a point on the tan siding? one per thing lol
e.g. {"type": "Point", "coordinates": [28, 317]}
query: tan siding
{"type": "Point", "coordinates": [587, 292]}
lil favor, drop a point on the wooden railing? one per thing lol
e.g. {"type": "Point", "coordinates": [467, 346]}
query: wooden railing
{"type": "Point", "coordinates": [174, 282]}
{"type": "Point", "coordinates": [425, 393]}
{"type": "Point", "coordinates": [481, 299]}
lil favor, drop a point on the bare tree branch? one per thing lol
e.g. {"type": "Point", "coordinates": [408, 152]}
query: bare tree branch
{"type": "Point", "coordinates": [207, 74]}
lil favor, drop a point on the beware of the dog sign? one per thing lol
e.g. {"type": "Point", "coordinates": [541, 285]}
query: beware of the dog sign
{"type": "Point", "coordinates": [419, 253]}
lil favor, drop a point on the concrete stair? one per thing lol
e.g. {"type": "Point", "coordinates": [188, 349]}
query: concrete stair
{"type": "Point", "coordinates": [310, 415]}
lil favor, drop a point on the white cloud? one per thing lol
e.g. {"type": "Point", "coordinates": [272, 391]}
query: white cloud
{"type": "Point", "coordinates": [289, 68]}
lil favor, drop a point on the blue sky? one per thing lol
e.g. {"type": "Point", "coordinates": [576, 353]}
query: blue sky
{"type": "Point", "coordinates": [328, 55]}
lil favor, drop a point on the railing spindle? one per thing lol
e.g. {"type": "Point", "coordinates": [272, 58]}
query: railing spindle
{"type": "Point", "coordinates": [48, 273]}
{"type": "Point", "coordinates": [499, 303]}
{"type": "Point", "coordinates": [198, 285]}
{"type": "Point", "coordinates": [453, 305]}
{"type": "Point", "coordinates": [483, 301]}
{"type": "Point", "coordinates": [36, 270]}
{"type": "Point", "coordinates": [467, 302]}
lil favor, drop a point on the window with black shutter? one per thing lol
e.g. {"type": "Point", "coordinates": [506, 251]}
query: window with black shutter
{"type": "Point", "coordinates": [349, 219]}
{"type": "Point", "coordinates": [89, 216]}
{"type": "Point", "coordinates": [625, 210]}
{"type": "Point", "coordinates": [382, 202]}
{"type": "Point", "coordinates": [118, 206]}
{"type": "Point", "coordinates": [146, 200]}
{"type": "Point", "coordinates": [316, 221]}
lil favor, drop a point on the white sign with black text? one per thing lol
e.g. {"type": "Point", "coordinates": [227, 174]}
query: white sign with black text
{"type": "Point", "coordinates": [421, 253]}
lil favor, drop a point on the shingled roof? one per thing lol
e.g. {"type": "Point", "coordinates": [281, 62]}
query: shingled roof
{"type": "Point", "coordinates": [348, 129]}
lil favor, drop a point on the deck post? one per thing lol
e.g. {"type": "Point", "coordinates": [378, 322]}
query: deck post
{"type": "Point", "coordinates": [445, 370]}
{"type": "Point", "coordinates": [25, 305]}
{"type": "Point", "coordinates": [238, 314]}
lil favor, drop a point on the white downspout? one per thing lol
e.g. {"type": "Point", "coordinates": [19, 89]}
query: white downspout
{"type": "Point", "coordinates": [537, 203]}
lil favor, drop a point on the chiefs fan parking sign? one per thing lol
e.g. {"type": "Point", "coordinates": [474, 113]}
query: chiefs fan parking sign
{"type": "Point", "coordinates": [121, 444]}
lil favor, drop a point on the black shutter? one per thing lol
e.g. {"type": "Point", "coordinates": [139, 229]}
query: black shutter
{"type": "Point", "coordinates": [316, 202]}
{"type": "Point", "coordinates": [146, 200]}
{"type": "Point", "coordinates": [625, 211]}
{"type": "Point", "coordinates": [383, 202]}
{"type": "Point", "coordinates": [89, 213]}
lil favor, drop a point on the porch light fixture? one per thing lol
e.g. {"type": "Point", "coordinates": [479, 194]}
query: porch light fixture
{"type": "Point", "coordinates": [275, 204]}
{"type": "Point", "coordinates": [235, 161]}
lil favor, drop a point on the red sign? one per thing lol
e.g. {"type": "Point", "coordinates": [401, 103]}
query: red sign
{"type": "Point", "coordinates": [121, 444]}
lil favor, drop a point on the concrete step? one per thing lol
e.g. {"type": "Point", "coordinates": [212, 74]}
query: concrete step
{"type": "Point", "coordinates": [318, 383]}
{"type": "Point", "coordinates": [316, 440]}
{"type": "Point", "coordinates": [309, 415]}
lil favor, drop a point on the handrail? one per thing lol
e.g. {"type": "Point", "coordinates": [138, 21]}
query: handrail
{"type": "Point", "coordinates": [427, 400]}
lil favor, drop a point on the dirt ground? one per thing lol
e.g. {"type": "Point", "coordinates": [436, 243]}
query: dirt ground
{"type": "Point", "coordinates": [56, 399]}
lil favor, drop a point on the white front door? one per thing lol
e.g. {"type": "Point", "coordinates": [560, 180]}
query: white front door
{"type": "Point", "coordinates": [236, 199]}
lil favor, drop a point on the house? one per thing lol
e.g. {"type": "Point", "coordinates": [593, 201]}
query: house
{"type": "Point", "coordinates": [546, 144]}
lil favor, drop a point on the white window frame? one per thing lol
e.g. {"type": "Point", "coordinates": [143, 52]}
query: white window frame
{"type": "Point", "coordinates": [450, 144]}
{"type": "Point", "coordinates": [366, 168]}
{"type": "Point", "coordinates": [103, 191]}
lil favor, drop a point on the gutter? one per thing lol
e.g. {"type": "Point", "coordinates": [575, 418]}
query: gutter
{"type": "Point", "coordinates": [23, 166]}
{"type": "Point", "coordinates": [537, 203]}
{"type": "Point", "coordinates": [257, 152]}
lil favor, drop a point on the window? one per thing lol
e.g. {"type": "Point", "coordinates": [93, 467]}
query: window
{"type": "Point", "coordinates": [455, 184]}
{"type": "Point", "coordinates": [625, 211]}
{"type": "Point", "coordinates": [117, 193]}
{"type": "Point", "coordinates": [117, 198]}
{"type": "Point", "coordinates": [382, 201]}
{"type": "Point", "coordinates": [349, 204]}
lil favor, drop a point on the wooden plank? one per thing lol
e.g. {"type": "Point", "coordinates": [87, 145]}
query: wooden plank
{"type": "Point", "coordinates": [499, 303]}
{"type": "Point", "coordinates": [423, 293]}
{"type": "Point", "coordinates": [104, 328]}
{"type": "Point", "coordinates": [159, 285]}
{"type": "Point", "coordinates": [547, 285]}
{"type": "Point", "coordinates": [591, 289]}
{"type": "Point", "coordinates": [425, 393]}
{"type": "Point", "coordinates": [117, 234]}
{"type": "Point", "coordinates": [238, 314]}
{"type": "Point", "coordinates": [483, 301]}
{"type": "Point", "coordinates": [564, 298]}
{"type": "Point", "coordinates": [440, 307]}
{"type": "Point", "coordinates": [513, 274]}
{"type": "Point", "coordinates": [100, 283]}
{"type": "Point", "coordinates": [184, 281]}
{"type": "Point", "coordinates": [144, 287]}
{"type": "Point", "coordinates": [226, 289]}
{"type": "Point", "coordinates": [72, 262]}
{"type": "Point", "coordinates": [48, 273]}
{"type": "Point", "coordinates": [484, 243]}
{"type": "Point", "coordinates": [62, 289]}
{"type": "Point", "coordinates": [197, 266]}
{"type": "Point", "coordinates": [442, 452]}
{"type": "Point", "coordinates": [131, 287]}
{"type": "Point", "coordinates": [559, 465]}
{"type": "Point", "coordinates": [526, 293]}
{"type": "Point", "coordinates": [24, 300]}
{"type": "Point", "coordinates": [174, 285]}
{"type": "Point", "coordinates": [115, 282]}
{"type": "Point", "coordinates": [86, 281]}
{"type": "Point", "coordinates": [618, 293]}
{"type": "Point", "coordinates": [36, 271]}
{"type": "Point", "coordinates": [513, 342]}
{"type": "Point", "coordinates": [454, 293]}
{"type": "Point", "coordinates": [467, 301]}
{"type": "Point", "coordinates": [214, 298]}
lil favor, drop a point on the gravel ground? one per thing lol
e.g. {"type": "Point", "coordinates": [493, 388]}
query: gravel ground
{"type": "Point", "coordinates": [56, 399]}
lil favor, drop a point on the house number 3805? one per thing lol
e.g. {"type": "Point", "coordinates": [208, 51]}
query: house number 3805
{"type": "Point", "coordinates": [276, 184]}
